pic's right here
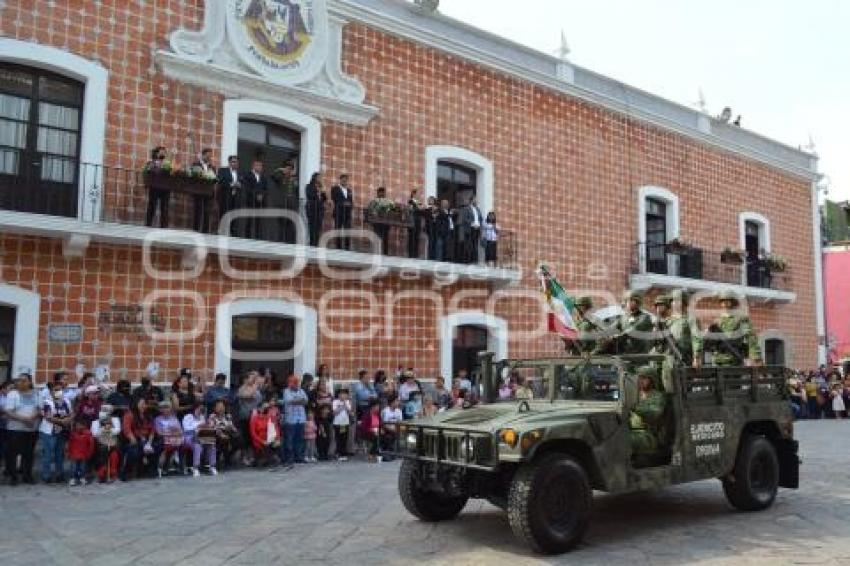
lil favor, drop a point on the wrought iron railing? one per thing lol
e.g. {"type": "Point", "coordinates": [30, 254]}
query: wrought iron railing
{"type": "Point", "coordinates": [692, 262]}
{"type": "Point", "coordinates": [99, 193]}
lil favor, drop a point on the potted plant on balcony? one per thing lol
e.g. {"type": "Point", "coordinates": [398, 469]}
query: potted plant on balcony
{"type": "Point", "coordinates": [677, 246]}
{"type": "Point", "coordinates": [775, 263]}
{"type": "Point", "coordinates": [728, 255]}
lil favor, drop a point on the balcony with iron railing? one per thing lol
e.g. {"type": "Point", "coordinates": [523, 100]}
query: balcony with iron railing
{"type": "Point", "coordinates": [101, 196]}
{"type": "Point", "coordinates": [692, 267]}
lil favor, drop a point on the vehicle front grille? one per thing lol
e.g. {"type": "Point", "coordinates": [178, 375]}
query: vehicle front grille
{"type": "Point", "coordinates": [441, 445]}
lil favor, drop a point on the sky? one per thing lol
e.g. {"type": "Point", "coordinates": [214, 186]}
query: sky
{"type": "Point", "coordinates": [783, 65]}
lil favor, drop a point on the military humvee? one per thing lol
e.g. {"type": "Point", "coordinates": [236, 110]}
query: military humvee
{"type": "Point", "coordinates": [539, 459]}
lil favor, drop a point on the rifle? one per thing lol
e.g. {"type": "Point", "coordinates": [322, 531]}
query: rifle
{"type": "Point", "coordinates": [725, 345]}
{"type": "Point", "coordinates": [671, 345]}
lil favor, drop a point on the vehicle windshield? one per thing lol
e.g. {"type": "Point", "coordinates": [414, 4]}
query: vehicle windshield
{"type": "Point", "coordinates": [582, 381]}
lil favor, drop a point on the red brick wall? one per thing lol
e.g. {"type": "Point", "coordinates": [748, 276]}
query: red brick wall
{"type": "Point", "coordinates": [566, 173]}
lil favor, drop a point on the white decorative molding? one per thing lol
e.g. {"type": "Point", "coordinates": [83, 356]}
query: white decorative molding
{"type": "Point", "coordinates": [645, 281]}
{"type": "Point", "coordinates": [497, 336]}
{"type": "Point", "coordinates": [93, 128]}
{"type": "Point", "coordinates": [75, 245]}
{"type": "Point", "coordinates": [672, 202]}
{"type": "Point", "coordinates": [310, 158]}
{"type": "Point", "coordinates": [27, 312]}
{"type": "Point", "coordinates": [465, 41]}
{"type": "Point", "coordinates": [483, 167]}
{"type": "Point", "coordinates": [217, 59]}
{"type": "Point", "coordinates": [306, 329]}
{"type": "Point", "coordinates": [817, 245]}
{"type": "Point", "coordinates": [59, 227]}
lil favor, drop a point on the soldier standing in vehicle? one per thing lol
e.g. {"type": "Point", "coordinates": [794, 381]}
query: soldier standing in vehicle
{"type": "Point", "coordinates": [583, 344]}
{"type": "Point", "coordinates": [646, 421]}
{"type": "Point", "coordinates": [678, 339]}
{"type": "Point", "coordinates": [631, 330]}
{"type": "Point", "coordinates": [732, 337]}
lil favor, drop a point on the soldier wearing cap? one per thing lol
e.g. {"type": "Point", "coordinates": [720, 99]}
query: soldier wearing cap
{"type": "Point", "coordinates": [646, 421]}
{"type": "Point", "coordinates": [583, 344]}
{"type": "Point", "coordinates": [679, 338]}
{"type": "Point", "coordinates": [731, 336]}
{"type": "Point", "coordinates": [632, 330]}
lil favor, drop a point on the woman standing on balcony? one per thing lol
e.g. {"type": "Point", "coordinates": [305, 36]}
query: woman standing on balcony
{"type": "Point", "coordinates": [158, 164]}
{"type": "Point", "coordinates": [316, 198]}
{"type": "Point", "coordinates": [490, 234]}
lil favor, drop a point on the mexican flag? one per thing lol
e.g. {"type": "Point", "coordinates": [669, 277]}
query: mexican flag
{"type": "Point", "coordinates": [561, 305]}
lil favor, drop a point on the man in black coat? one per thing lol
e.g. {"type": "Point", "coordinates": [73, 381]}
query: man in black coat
{"type": "Point", "coordinates": [201, 212]}
{"type": "Point", "coordinates": [229, 188]}
{"type": "Point", "coordinates": [343, 199]}
{"type": "Point", "coordinates": [256, 188]}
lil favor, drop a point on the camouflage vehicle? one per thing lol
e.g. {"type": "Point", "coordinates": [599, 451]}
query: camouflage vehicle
{"type": "Point", "coordinates": [540, 458]}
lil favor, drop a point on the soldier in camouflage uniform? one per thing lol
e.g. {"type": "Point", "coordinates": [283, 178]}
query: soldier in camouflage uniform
{"type": "Point", "coordinates": [584, 344]}
{"type": "Point", "coordinates": [678, 337]}
{"type": "Point", "coordinates": [646, 421]}
{"type": "Point", "coordinates": [633, 322]}
{"type": "Point", "coordinates": [732, 337]}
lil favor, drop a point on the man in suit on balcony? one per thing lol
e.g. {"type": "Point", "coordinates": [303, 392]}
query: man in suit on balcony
{"type": "Point", "coordinates": [469, 231]}
{"type": "Point", "coordinates": [157, 196]}
{"type": "Point", "coordinates": [343, 198]}
{"type": "Point", "coordinates": [254, 197]}
{"type": "Point", "coordinates": [201, 212]}
{"type": "Point", "coordinates": [229, 187]}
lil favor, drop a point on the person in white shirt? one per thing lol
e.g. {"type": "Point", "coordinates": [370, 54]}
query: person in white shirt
{"type": "Point", "coordinates": [342, 413]}
{"type": "Point", "coordinates": [390, 417]}
{"type": "Point", "coordinates": [408, 385]}
{"type": "Point", "coordinates": [198, 434]}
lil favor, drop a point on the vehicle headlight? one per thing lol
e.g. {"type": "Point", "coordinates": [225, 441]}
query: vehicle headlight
{"type": "Point", "coordinates": [508, 436]}
{"type": "Point", "coordinates": [530, 438]}
{"type": "Point", "coordinates": [411, 441]}
{"type": "Point", "coordinates": [467, 448]}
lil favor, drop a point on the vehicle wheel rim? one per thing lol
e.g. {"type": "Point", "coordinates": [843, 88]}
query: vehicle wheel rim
{"type": "Point", "coordinates": [762, 474]}
{"type": "Point", "coordinates": [558, 501]}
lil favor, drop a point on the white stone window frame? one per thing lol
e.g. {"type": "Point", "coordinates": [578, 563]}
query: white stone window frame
{"type": "Point", "coordinates": [27, 305]}
{"type": "Point", "coordinates": [483, 167]}
{"type": "Point", "coordinates": [774, 334]}
{"type": "Point", "coordinates": [310, 157]}
{"type": "Point", "coordinates": [671, 199]}
{"type": "Point", "coordinates": [95, 78]}
{"type": "Point", "coordinates": [764, 235]}
{"type": "Point", "coordinates": [497, 336]}
{"type": "Point", "coordinates": [306, 330]}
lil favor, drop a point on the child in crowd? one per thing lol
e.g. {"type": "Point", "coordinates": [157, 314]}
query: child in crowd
{"type": "Point", "coordinates": [370, 429]}
{"type": "Point", "coordinates": [342, 413]}
{"type": "Point", "coordinates": [324, 432]}
{"type": "Point", "coordinates": [199, 435]}
{"type": "Point", "coordinates": [169, 436]}
{"type": "Point", "coordinates": [265, 434]}
{"type": "Point", "coordinates": [413, 407]}
{"type": "Point", "coordinates": [80, 449]}
{"type": "Point", "coordinates": [391, 416]}
{"type": "Point", "coordinates": [310, 431]}
{"type": "Point", "coordinates": [105, 431]}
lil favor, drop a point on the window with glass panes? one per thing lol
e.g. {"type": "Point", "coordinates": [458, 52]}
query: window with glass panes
{"type": "Point", "coordinates": [272, 144]}
{"type": "Point", "coordinates": [656, 236]}
{"type": "Point", "coordinates": [40, 122]}
{"type": "Point", "coordinates": [455, 183]}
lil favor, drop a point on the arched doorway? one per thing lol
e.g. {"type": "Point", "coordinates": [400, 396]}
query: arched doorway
{"type": "Point", "coordinates": [263, 327]}
{"type": "Point", "coordinates": [256, 342]}
{"type": "Point", "coordinates": [7, 341]}
{"type": "Point", "coordinates": [273, 144]}
{"type": "Point", "coordinates": [469, 341]}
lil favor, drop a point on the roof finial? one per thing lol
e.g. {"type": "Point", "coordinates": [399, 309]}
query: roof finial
{"type": "Point", "coordinates": [427, 5]}
{"type": "Point", "coordinates": [563, 51]}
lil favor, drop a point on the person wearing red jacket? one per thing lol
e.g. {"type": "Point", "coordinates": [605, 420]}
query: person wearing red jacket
{"type": "Point", "coordinates": [370, 429]}
{"type": "Point", "coordinates": [80, 449]}
{"type": "Point", "coordinates": [265, 433]}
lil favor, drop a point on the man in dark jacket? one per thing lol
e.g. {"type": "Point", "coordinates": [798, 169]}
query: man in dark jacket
{"type": "Point", "coordinates": [254, 198]}
{"type": "Point", "coordinates": [443, 231]}
{"type": "Point", "coordinates": [229, 187]}
{"type": "Point", "coordinates": [343, 199]}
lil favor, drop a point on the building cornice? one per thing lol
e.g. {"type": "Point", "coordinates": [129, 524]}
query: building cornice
{"type": "Point", "coordinates": [403, 19]}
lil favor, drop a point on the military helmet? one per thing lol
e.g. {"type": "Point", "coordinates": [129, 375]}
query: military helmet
{"type": "Point", "coordinates": [646, 371]}
{"type": "Point", "coordinates": [633, 295]}
{"type": "Point", "coordinates": [663, 300]}
{"type": "Point", "coordinates": [585, 302]}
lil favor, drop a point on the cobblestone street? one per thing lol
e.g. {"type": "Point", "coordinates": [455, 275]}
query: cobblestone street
{"type": "Point", "coordinates": [350, 514]}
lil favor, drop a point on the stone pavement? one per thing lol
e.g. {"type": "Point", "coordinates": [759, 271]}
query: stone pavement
{"type": "Point", "coordinates": [349, 513]}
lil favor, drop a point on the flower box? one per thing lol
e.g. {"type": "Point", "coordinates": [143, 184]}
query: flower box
{"type": "Point", "coordinates": [164, 180]}
{"type": "Point", "coordinates": [731, 257]}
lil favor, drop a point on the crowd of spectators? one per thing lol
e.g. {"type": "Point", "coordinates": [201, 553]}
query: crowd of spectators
{"type": "Point", "coordinates": [99, 432]}
{"type": "Point", "coordinates": [824, 393]}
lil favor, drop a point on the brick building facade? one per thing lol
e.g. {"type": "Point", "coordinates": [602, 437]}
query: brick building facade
{"type": "Point", "coordinates": [578, 168]}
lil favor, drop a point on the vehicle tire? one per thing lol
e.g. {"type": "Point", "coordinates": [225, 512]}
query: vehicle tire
{"type": "Point", "coordinates": [424, 504]}
{"type": "Point", "coordinates": [549, 503]}
{"type": "Point", "coordinates": [755, 479]}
